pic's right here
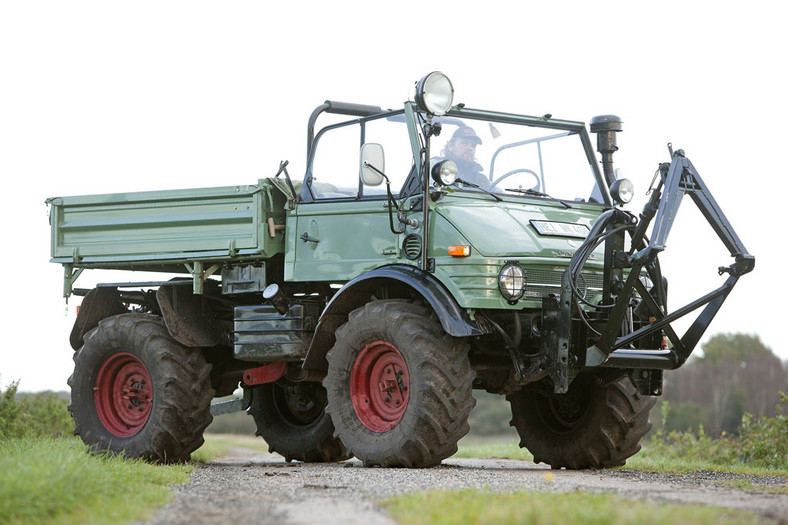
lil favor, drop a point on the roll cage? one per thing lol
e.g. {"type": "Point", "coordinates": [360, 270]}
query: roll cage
{"type": "Point", "coordinates": [419, 126]}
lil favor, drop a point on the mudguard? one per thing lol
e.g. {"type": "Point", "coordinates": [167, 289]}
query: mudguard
{"type": "Point", "coordinates": [185, 317]}
{"type": "Point", "coordinates": [97, 304]}
{"type": "Point", "coordinates": [454, 319]}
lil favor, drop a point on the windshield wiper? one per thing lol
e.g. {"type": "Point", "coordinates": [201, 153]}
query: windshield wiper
{"type": "Point", "coordinates": [472, 185]}
{"type": "Point", "coordinates": [535, 193]}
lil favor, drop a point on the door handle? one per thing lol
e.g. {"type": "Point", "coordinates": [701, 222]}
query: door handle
{"type": "Point", "coordinates": [306, 238]}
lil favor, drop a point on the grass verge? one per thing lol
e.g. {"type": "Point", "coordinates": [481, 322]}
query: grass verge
{"type": "Point", "coordinates": [651, 458]}
{"type": "Point", "coordinates": [55, 480]}
{"type": "Point", "coordinates": [656, 463]}
{"type": "Point", "coordinates": [468, 507]}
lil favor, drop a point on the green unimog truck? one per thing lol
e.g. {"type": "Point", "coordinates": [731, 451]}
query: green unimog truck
{"type": "Point", "coordinates": [427, 251]}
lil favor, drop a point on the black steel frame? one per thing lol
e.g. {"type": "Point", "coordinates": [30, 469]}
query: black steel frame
{"type": "Point", "coordinates": [612, 349]}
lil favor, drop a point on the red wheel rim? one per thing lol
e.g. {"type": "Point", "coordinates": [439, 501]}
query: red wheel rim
{"type": "Point", "coordinates": [379, 386]}
{"type": "Point", "coordinates": [123, 395]}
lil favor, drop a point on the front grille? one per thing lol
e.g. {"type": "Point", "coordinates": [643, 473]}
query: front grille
{"type": "Point", "coordinates": [542, 282]}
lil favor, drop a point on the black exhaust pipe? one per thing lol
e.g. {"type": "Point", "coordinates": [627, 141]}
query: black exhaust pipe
{"type": "Point", "coordinates": [606, 127]}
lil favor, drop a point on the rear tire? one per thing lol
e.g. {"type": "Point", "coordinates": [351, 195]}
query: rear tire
{"type": "Point", "coordinates": [399, 388]}
{"type": "Point", "coordinates": [591, 426]}
{"type": "Point", "coordinates": [291, 418]}
{"type": "Point", "coordinates": [136, 391]}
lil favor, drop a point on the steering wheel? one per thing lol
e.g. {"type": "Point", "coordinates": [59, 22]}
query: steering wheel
{"type": "Point", "coordinates": [508, 174]}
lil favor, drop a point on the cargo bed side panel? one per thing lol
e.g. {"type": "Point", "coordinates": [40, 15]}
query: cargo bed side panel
{"type": "Point", "coordinates": [157, 227]}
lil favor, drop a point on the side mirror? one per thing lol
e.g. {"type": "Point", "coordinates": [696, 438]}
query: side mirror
{"type": "Point", "coordinates": [372, 164]}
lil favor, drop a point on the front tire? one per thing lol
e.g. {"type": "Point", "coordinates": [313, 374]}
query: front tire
{"type": "Point", "coordinates": [593, 425]}
{"type": "Point", "coordinates": [136, 391]}
{"type": "Point", "coordinates": [291, 418]}
{"type": "Point", "coordinates": [399, 388]}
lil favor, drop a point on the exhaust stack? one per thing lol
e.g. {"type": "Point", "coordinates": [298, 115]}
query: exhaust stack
{"type": "Point", "coordinates": [606, 127]}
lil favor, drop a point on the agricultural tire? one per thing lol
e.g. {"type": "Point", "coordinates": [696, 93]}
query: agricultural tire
{"type": "Point", "coordinates": [593, 425]}
{"type": "Point", "coordinates": [291, 418]}
{"type": "Point", "coordinates": [399, 388]}
{"type": "Point", "coordinates": [136, 391]}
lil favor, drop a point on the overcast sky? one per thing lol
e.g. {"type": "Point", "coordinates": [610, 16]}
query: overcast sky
{"type": "Point", "coordinates": [111, 96]}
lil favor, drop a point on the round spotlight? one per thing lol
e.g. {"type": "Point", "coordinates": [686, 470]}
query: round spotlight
{"type": "Point", "coordinates": [445, 172]}
{"type": "Point", "coordinates": [622, 191]}
{"type": "Point", "coordinates": [434, 93]}
{"type": "Point", "coordinates": [511, 282]}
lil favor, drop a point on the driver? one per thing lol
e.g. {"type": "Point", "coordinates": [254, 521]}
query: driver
{"type": "Point", "coordinates": [462, 150]}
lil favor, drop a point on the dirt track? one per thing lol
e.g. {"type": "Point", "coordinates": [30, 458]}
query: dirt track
{"type": "Point", "coordinates": [253, 487]}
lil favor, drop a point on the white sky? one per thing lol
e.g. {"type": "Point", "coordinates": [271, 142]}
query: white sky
{"type": "Point", "coordinates": [112, 96]}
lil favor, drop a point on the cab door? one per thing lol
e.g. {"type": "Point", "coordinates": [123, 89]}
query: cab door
{"type": "Point", "coordinates": [341, 226]}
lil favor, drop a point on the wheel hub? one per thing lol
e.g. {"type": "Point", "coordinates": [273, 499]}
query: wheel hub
{"type": "Point", "coordinates": [123, 394]}
{"type": "Point", "coordinates": [300, 403]}
{"type": "Point", "coordinates": [379, 386]}
{"type": "Point", "coordinates": [563, 413]}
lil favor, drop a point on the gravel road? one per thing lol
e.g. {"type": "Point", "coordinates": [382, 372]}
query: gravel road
{"type": "Point", "coordinates": [254, 487]}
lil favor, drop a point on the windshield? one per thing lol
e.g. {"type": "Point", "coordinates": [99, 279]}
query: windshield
{"type": "Point", "coordinates": [505, 155]}
{"type": "Point", "coordinates": [510, 159]}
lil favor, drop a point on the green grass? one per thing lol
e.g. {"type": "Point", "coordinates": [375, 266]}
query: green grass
{"type": "Point", "coordinates": [746, 484]}
{"type": "Point", "coordinates": [655, 463]}
{"type": "Point", "coordinates": [651, 458]}
{"type": "Point", "coordinates": [55, 480]}
{"type": "Point", "coordinates": [469, 507]}
{"type": "Point", "coordinates": [492, 448]}
{"type": "Point", "coordinates": [209, 450]}
{"type": "Point", "coordinates": [221, 442]}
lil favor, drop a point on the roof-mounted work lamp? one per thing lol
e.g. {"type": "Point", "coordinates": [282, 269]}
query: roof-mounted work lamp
{"type": "Point", "coordinates": [434, 93]}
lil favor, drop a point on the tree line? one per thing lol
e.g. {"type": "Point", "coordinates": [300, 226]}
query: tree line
{"type": "Point", "coordinates": [734, 375]}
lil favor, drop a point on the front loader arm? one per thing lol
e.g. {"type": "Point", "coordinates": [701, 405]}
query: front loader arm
{"type": "Point", "coordinates": [613, 348]}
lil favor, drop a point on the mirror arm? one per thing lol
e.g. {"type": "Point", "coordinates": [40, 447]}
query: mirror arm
{"type": "Point", "coordinates": [392, 202]}
{"type": "Point", "coordinates": [373, 168]}
{"type": "Point", "coordinates": [393, 205]}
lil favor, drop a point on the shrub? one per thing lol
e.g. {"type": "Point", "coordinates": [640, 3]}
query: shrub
{"type": "Point", "coordinates": [10, 412]}
{"type": "Point", "coordinates": [686, 446]}
{"type": "Point", "coordinates": [760, 443]}
{"type": "Point", "coordinates": [764, 442]}
{"type": "Point", "coordinates": [687, 416]}
{"type": "Point", "coordinates": [44, 414]}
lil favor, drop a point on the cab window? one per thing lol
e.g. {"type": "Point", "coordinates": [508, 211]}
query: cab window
{"type": "Point", "coordinates": [334, 171]}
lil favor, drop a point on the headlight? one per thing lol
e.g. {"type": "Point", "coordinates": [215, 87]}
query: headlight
{"type": "Point", "coordinates": [622, 191]}
{"type": "Point", "coordinates": [445, 172]}
{"type": "Point", "coordinates": [434, 93]}
{"type": "Point", "coordinates": [511, 282]}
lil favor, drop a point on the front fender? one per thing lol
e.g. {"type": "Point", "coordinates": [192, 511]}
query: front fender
{"type": "Point", "coordinates": [400, 281]}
